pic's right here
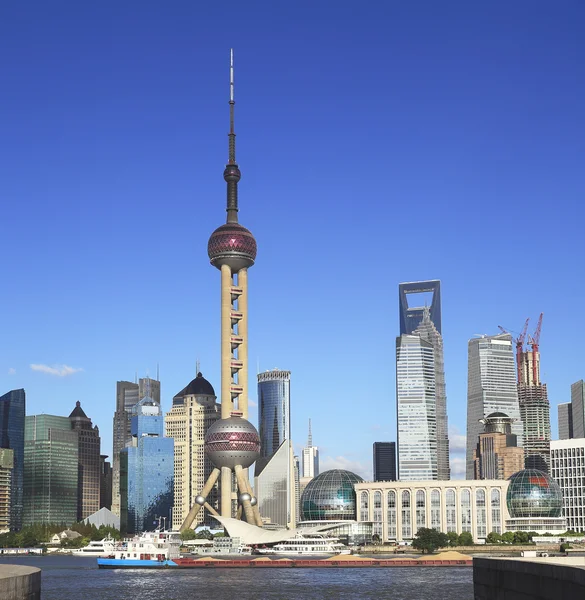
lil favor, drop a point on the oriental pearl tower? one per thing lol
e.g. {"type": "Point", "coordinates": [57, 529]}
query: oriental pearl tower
{"type": "Point", "coordinates": [232, 443]}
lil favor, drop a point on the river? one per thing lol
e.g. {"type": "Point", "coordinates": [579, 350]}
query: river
{"type": "Point", "coordinates": [73, 578]}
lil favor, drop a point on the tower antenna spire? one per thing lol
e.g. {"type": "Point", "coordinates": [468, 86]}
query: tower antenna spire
{"type": "Point", "coordinates": [310, 440]}
{"type": "Point", "coordinates": [232, 172]}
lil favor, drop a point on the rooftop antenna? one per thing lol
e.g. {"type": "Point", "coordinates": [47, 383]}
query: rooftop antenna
{"type": "Point", "coordinates": [197, 366]}
{"type": "Point", "coordinates": [157, 372]}
{"type": "Point", "coordinates": [310, 440]}
{"type": "Point", "coordinates": [135, 376]}
{"type": "Point", "coordinates": [232, 172]}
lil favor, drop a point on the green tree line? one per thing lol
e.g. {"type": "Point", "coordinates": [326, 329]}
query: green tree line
{"type": "Point", "coordinates": [41, 534]}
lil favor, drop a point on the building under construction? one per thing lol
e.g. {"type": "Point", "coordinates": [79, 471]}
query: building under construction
{"type": "Point", "coordinates": [533, 399]}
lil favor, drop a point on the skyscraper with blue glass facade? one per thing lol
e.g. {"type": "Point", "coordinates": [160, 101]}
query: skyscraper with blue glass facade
{"type": "Point", "coordinates": [146, 471]}
{"type": "Point", "coordinates": [12, 411]}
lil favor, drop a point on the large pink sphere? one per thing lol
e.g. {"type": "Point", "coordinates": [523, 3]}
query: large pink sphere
{"type": "Point", "coordinates": [232, 244]}
{"type": "Point", "coordinates": [233, 441]}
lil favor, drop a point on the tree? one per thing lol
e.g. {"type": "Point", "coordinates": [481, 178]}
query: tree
{"type": "Point", "coordinates": [508, 537]}
{"type": "Point", "coordinates": [521, 537]}
{"type": "Point", "coordinates": [428, 540]}
{"type": "Point", "coordinates": [453, 538]}
{"type": "Point", "coordinates": [465, 539]}
{"type": "Point", "coordinates": [188, 534]}
{"type": "Point", "coordinates": [376, 538]}
{"type": "Point", "coordinates": [494, 538]}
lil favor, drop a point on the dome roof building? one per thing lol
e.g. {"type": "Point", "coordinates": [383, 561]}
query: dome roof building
{"type": "Point", "coordinates": [330, 497]}
{"type": "Point", "coordinates": [535, 503]}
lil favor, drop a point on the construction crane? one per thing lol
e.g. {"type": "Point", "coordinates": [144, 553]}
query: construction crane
{"type": "Point", "coordinates": [534, 342]}
{"type": "Point", "coordinates": [519, 345]}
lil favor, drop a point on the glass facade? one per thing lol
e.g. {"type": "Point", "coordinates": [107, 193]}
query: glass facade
{"type": "Point", "coordinates": [330, 496]}
{"type": "Point", "coordinates": [50, 470]}
{"type": "Point", "coordinates": [147, 471]}
{"type": "Point", "coordinates": [567, 469]}
{"type": "Point", "coordinates": [273, 410]}
{"type": "Point", "coordinates": [533, 494]}
{"type": "Point", "coordinates": [424, 319]}
{"type": "Point", "coordinates": [384, 461]}
{"type": "Point", "coordinates": [416, 408]}
{"type": "Point", "coordinates": [491, 387]}
{"type": "Point", "coordinates": [12, 412]}
{"type": "Point", "coordinates": [273, 487]}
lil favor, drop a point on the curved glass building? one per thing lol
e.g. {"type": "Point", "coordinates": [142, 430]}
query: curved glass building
{"type": "Point", "coordinates": [535, 503]}
{"type": "Point", "coordinates": [273, 410]}
{"type": "Point", "coordinates": [330, 497]}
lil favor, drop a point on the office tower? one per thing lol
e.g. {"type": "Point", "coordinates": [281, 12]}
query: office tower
{"type": "Point", "coordinates": [534, 405]}
{"type": "Point", "coordinates": [425, 321]}
{"type": "Point", "coordinates": [497, 455]}
{"type": "Point", "coordinates": [51, 450]}
{"type": "Point", "coordinates": [193, 412]}
{"type": "Point", "coordinates": [416, 406]}
{"type": "Point", "coordinates": [105, 483]}
{"type": "Point", "coordinates": [578, 408]}
{"type": "Point", "coordinates": [6, 468]}
{"type": "Point", "coordinates": [567, 458]}
{"type": "Point", "coordinates": [232, 443]}
{"type": "Point", "coordinates": [310, 458]}
{"type": "Point", "coordinates": [491, 387]}
{"type": "Point", "coordinates": [88, 479]}
{"type": "Point", "coordinates": [384, 461]}
{"type": "Point", "coordinates": [12, 412]}
{"type": "Point", "coordinates": [297, 474]}
{"type": "Point", "coordinates": [146, 471]}
{"type": "Point", "coordinates": [274, 470]}
{"type": "Point", "coordinates": [565, 421]}
{"type": "Point", "coordinates": [127, 395]}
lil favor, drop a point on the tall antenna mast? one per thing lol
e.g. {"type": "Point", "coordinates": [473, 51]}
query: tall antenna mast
{"type": "Point", "coordinates": [232, 173]}
{"type": "Point", "coordinates": [197, 367]}
{"type": "Point", "coordinates": [310, 440]}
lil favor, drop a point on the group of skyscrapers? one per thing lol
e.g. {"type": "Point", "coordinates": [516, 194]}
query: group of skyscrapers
{"type": "Point", "coordinates": [508, 393]}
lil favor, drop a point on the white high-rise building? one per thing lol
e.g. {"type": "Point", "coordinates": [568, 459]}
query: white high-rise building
{"type": "Point", "coordinates": [567, 462]}
{"type": "Point", "coordinates": [193, 412]}
{"type": "Point", "coordinates": [491, 388]}
{"type": "Point", "coordinates": [416, 409]}
{"type": "Point", "coordinates": [310, 458]}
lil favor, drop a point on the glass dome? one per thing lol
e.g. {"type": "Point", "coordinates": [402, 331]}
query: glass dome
{"type": "Point", "coordinates": [330, 497]}
{"type": "Point", "coordinates": [533, 493]}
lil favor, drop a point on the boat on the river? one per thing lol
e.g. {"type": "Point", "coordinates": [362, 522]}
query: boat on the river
{"type": "Point", "coordinates": [219, 546]}
{"type": "Point", "coordinates": [151, 549]}
{"type": "Point", "coordinates": [101, 548]}
{"type": "Point", "coordinates": [307, 545]}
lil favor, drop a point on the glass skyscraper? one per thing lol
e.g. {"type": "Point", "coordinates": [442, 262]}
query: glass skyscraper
{"type": "Point", "coordinates": [416, 408]}
{"type": "Point", "coordinates": [146, 471]}
{"type": "Point", "coordinates": [12, 411]}
{"type": "Point", "coordinates": [384, 454]}
{"type": "Point", "coordinates": [491, 388]}
{"type": "Point", "coordinates": [419, 318]}
{"type": "Point", "coordinates": [50, 470]}
{"type": "Point", "coordinates": [274, 470]}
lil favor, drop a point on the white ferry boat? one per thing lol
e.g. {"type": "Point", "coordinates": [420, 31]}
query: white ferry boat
{"type": "Point", "coordinates": [103, 547]}
{"type": "Point", "coordinates": [152, 549]}
{"type": "Point", "coordinates": [307, 545]}
{"type": "Point", "coordinates": [220, 546]}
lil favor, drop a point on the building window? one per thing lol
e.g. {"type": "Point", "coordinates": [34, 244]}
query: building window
{"type": "Point", "coordinates": [377, 525]}
{"type": "Point", "coordinates": [496, 512]}
{"type": "Point", "coordinates": [481, 514]}
{"type": "Point", "coordinates": [465, 510]}
{"type": "Point", "coordinates": [421, 507]}
{"type": "Point", "coordinates": [364, 508]}
{"type": "Point", "coordinates": [392, 515]}
{"type": "Point", "coordinates": [436, 510]}
{"type": "Point", "coordinates": [406, 517]}
{"type": "Point", "coordinates": [451, 510]}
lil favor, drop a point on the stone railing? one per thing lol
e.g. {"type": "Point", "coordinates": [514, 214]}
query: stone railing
{"type": "Point", "coordinates": [20, 583]}
{"type": "Point", "coordinates": [529, 578]}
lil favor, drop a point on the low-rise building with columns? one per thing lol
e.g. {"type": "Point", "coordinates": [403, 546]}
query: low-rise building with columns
{"type": "Point", "coordinates": [398, 509]}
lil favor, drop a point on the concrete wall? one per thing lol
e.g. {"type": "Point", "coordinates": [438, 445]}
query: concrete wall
{"type": "Point", "coordinates": [20, 583]}
{"type": "Point", "coordinates": [529, 578]}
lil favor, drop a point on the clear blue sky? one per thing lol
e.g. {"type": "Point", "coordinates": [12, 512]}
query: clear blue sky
{"type": "Point", "coordinates": [379, 142]}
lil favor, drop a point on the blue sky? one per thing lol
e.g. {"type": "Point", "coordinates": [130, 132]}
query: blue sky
{"type": "Point", "coordinates": [379, 143]}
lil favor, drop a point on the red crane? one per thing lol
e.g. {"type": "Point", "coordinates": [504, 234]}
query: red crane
{"type": "Point", "coordinates": [534, 342]}
{"type": "Point", "coordinates": [519, 345]}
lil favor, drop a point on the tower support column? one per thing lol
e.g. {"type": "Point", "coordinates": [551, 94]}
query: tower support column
{"type": "Point", "coordinates": [226, 351]}
{"type": "Point", "coordinates": [243, 349]}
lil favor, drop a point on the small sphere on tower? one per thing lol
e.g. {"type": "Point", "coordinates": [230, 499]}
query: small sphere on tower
{"type": "Point", "coordinates": [231, 442]}
{"type": "Point", "coordinates": [232, 244]}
